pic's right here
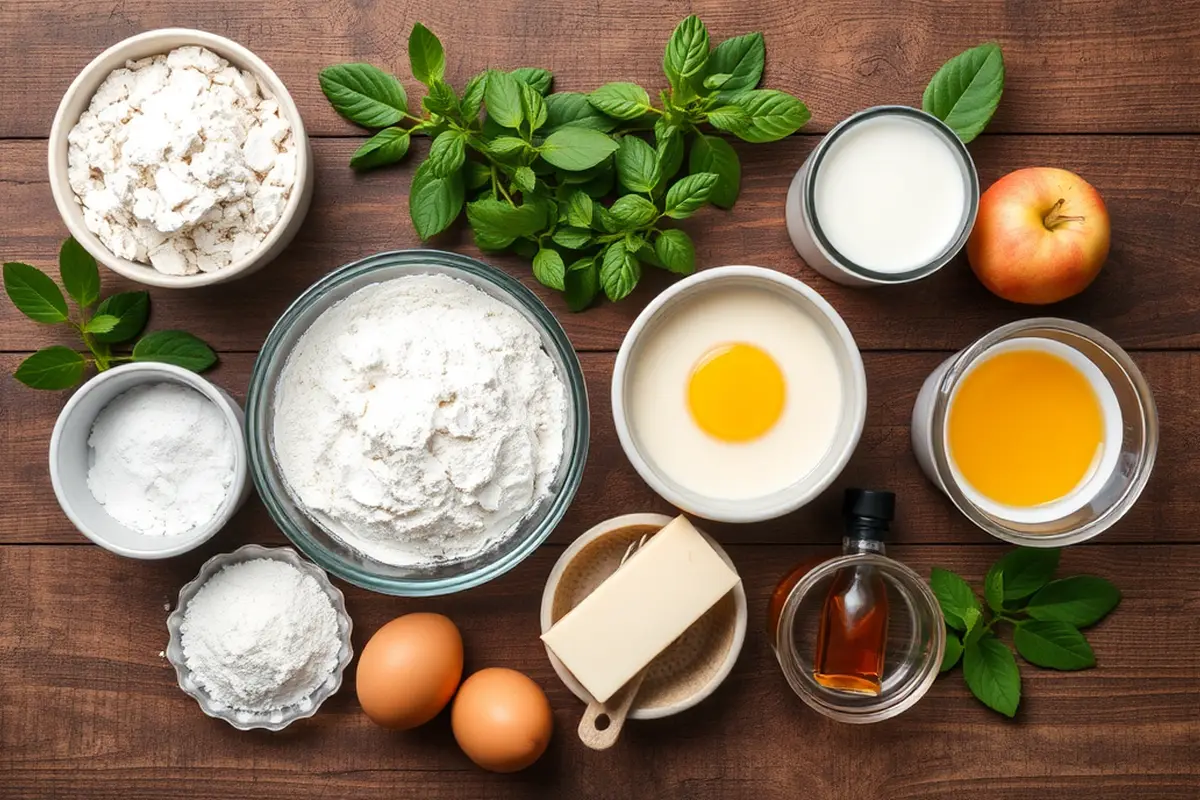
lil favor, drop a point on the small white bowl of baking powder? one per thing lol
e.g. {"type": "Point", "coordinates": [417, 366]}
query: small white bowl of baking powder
{"type": "Point", "coordinates": [148, 460]}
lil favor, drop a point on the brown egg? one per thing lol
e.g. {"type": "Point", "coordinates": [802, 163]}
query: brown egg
{"type": "Point", "coordinates": [502, 720]}
{"type": "Point", "coordinates": [409, 670]}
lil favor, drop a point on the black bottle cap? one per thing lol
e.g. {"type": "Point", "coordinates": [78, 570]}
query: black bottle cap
{"type": "Point", "coordinates": [868, 513]}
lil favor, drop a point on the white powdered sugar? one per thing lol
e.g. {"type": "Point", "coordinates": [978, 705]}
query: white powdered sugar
{"type": "Point", "coordinates": [182, 161]}
{"type": "Point", "coordinates": [161, 459]}
{"type": "Point", "coordinates": [260, 636]}
{"type": "Point", "coordinates": [419, 420]}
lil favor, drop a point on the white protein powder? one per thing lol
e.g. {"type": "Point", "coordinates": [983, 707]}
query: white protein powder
{"type": "Point", "coordinates": [161, 459]}
{"type": "Point", "coordinates": [182, 161]}
{"type": "Point", "coordinates": [420, 419]}
{"type": "Point", "coordinates": [260, 636]}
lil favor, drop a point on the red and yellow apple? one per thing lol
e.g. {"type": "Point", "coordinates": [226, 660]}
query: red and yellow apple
{"type": "Point", "coordinates": [1041, 236]}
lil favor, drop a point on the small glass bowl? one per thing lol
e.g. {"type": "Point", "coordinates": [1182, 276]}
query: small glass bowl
{"type": "Point", "coordinates": [916, 641]}
{"type": "Point", "coordinates": [247, 720]}
{"type": "Point", "coordinates": [322, 546]}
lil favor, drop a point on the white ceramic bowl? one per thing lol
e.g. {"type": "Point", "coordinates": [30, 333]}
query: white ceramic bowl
{"type": "Point", "coordinates": [161, 42]}
{"type": "Point", "coordinates": [69, 461]}
{"type": "Point", "coordinates": [644, 708]}
{"type": "Point", "coordinates": [244, 720]}
{"type": "Point", "coordinates": [854, 392]}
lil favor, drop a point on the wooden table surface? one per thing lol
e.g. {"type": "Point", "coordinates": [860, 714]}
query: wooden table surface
{"type": "Point", "coordinates": [90, 709]}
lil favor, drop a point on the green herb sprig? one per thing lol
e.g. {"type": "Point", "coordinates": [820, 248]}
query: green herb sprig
{"type": "Point", "coordinates": [115, 320]}
{"type": "Point", "coordinates": [584, 185]}
{"type": "Point", "coordinates": [966, 90]}
{"type": "Point", "coordinates": [1045, 616]}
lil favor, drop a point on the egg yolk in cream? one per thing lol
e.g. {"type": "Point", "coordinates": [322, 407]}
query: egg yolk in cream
{"type": "Point", "coordinates": [736, 392]}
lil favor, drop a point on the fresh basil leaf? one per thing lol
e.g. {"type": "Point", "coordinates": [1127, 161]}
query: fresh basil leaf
{"type": "Point", "coordinates": [101, 323]}
{"type": "Point", "coordinates": [533, 107]}
{"type": "Point", "coordinates": [772, 115]}
{"type": "Point", "coordinates": [476, 175]}
{"type": "Point", "coordinates": [620, 100]}
{"type": "Point", "coordinates": [992, 675]}
{"type": "Point", "coordinates": [434, 202]}
{"type": "Point", "coordinates": [1026, 570]}
{"type": "Point", "coordinates": [714, 154]}
{"type": "Point", "coordinates": [741, 58]}
{"type": "Point", "coordinates": [131, 309]}
{"type": "Point", "coordinates": [973, 619]}
{"type": "Point", "coordinates": [637, 165]}
{"type": "Point", "coordinates": [619, 272]}
{"type": "Point", "coordinates": [993, 590]}
{"type": "Point", "coordinates": [952, 653]}
{"type": "Point", "coordinates": [954, 596]}
{"type": "Point", "coordinates": [80, 276]}
{"type": "Point", "coordinates": [633, 211]}
{"type": "Point", "coordinates": [503, 98]}
{"type": "Point", "coordinates": [728, 118]}
{"type": "Point", "coordinates": [634, 243]}
{"type": "Point", "coordinates": [577, 149]}
{"type": "Point", "coordinates": [499, 218]}
{"type": "Point", "coordinates": [441, 100]}
{"type": "Point", "coordinates": [447, 154]}
{"type": "Point", "coordinates": [717, 81]}
{"type": "Point", "coordinates": [668, 151]}
{"type": "Point", "coordinates": [579, 209]}
{"type": "Point", "coordinates": [175, 347]}
{"type": "Point", "coordinates": [52, 368]}
{"type": "Point", "coordinates": [523, 179]}
{"type": "Point", "coordinates": [601, 185]}
{"type": "Point", "coordinates": [1054, 645]}
{"type": "Point", "coordinates": [364, 94]}
{"type": "Point", "coordinates": [573, 108]}
{"type": "Point", "coordinates": [34, 293]}
{"type": "Point", "coordinates": [571, 237]}
{"type": "Point", "coordinates": [582, 283]}
{"type": "Point", "coordinates": [1080, 600]}
{"type": "Point", "coordinates": [966, 90]}
{"type": "Point", "coordinates": [688, 194]}
{"type": "Point", "coordinates": [549, 269]}
{"type": "Point", "coordinates": [676, 252]}
{"type": "Point", "coordinates": [491, 241]}
{"type": "Point", "coordinates": [426, 55]}
{"type": "Point", "coordinates": [472, 98]}
{"type": "Point", "coordinates": [686, 54]}
{"type": "Point", "coordinates": [539, 79]}
{"type": "Point", "coordinates": [507, 146]}
{"type": "Point", "coordinates": [386, 147]}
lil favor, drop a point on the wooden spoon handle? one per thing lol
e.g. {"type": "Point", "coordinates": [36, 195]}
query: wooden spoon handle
{"type": "Point", "coordinates": [602, 723]}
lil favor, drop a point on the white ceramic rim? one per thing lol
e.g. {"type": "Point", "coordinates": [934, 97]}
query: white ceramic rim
{"type": "Point", "coordinates": [238, 488]}
{"type": "Point", "coordinates": [602, 529]}
{"type": "Point", "coordinates": [249, 552]}
{"type": "Point", "coordinates": [89, 79]}
{"type": "Point", "coordinates": [752, 509]}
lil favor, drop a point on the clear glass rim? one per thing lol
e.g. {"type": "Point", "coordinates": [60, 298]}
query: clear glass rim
{"type": "Point", "coordinates": [258, 439]}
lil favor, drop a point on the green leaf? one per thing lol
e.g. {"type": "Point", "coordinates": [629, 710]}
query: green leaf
{"type": "Point", "coordinates": [688, 194]}
{"type": "Point", "coordinates": [714, 154]}
{"type": "Point", "coordinates": [993, 590]}
{"type": "Point", "coordinates": [637, 165]}
{"type": "Point", "coordinates": [619, 271]}
{"type": "Point", "coordinates": [79, 273]}
{"type": "Point", "coordinates": [633, 211]}
{"type": "Point", "coordinates": [386, 147]}
{"type": "Point", "coordinates": [549, 269]}
{"type": "Point", "coordinates": [131, 309]}
{"type": "Point", "coordinates": [539, 79]}
{"type": "Point", "coordinates": [1055, 645]}
{"type": "Point", "coordinates": [717, 80]}
{"type": "Point", "coordinates": [577, 149]}
{"type": "Point", "coordinates": [600, 186]}
{"type": "Point", "coordinates": [686, 54]}
{"type": "Point", "coordinates": [442, 100]}
{"type": "Point", "coordinates": [954, 596]}
{"type": "Point", "coordinates": [101, 323]}
{"type": "Point", "coordinates": [426, 55]}
{"type": "Point", "coordinates": [573, 108]}
{"type": "Point", "coordinates": [966, 90]}
{"type": "Point", "coordinates": [771, 114]}
{"type": "Point", "coordinates": [728, 118]}
{"type": "Point", "coordinates": [572, 238]}
{"type": "Point", "coordinates": [669, 151]}
{"type": "Point", "coordinates": [952, 653]}
{"type": "Point", "coordinates": [620, 100]}
{"type": "Point", "coordinates": [434, 202]}
{"type": "Point", "coordinates": [476, 175]}
{"type": "Point", "coordinates": [507, 146]}
{"type": "Point", "coordinates": [523, 179]}
{"type": "Point", "coordinates": [503, 98]}
{"type": "Point", "coordinates": [175, 347]}
{"type": "Point", "coordinates": [1080, 600]}
{"type": "Point", "coordinates": [992, 675]}
{"type": "Point", "coordinates": [472, 98]}
{"type": "Point", "coordinates": [676, 252]}
{"type": "Point", "coordinates": [497, 218]}
{"type": "Point", "coordinates": [533, 107]}
{"type": "Point", "coordinates": [1026, 570]}
{"type": "Point", "coordinates": [52, 368]}
{"type": "Point", "coordinates": [34, 293]}
{"type": "Point", "coordinates": [446, 154]}
{"type": "Point", "coordinates": [579, 209]}
{"type": "Point", "coordinates": [582, 283]}
{"type": "Point", "coordinates": [742, 59]}
{"type": "Point", "coordinates": [973, 619]}
{"type": "Point", "coordinates": [364, 94]}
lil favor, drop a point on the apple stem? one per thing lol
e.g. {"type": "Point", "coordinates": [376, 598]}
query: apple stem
{"type": "Point", "coordinates": [1055, 218]}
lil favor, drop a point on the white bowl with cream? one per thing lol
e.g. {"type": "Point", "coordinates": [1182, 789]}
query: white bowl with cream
{"type": "Point", "coordinates": [739, 394]}
{"type": "Point", "coordinates": [888, 196]}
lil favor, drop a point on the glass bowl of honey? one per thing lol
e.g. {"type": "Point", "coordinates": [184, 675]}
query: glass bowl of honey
{"type": "Point", "coordinates": [1043, 432]}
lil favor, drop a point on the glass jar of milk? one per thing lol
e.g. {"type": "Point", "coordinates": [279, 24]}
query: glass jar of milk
{"type": "Point", "coordinates": [888, 196]}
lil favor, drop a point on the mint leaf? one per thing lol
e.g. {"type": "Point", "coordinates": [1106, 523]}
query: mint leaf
{"type": "Point", "coordinates": [507, 146]}
{"type": "Point", "coordinates": [441, 99]}
{"type": "Point", "coordinates": [619, 271]}
{"type": "Point", "coordinates": [582, 283]}
{"type": "Point", "coordinates": [728, 118]}
{"type": "Point", "coordinates": [1056, 645]}
{"type": "Point", "coordinates": [52, 368]}
{"type": "Point", "coordinates": [573, 108]}
{"type": "Point", "coordinates": [503, 98]}
{"type": "Point", "coordinates": [716, 81]}
{"type": "Point", "coordinates": [131, 309]}
{"type": "Point", "coordinates": [577, 149]}
{"type": "Point", "coordinates": [952, 653]}
{"type": "Point", "coordinates": [579, 209]}
{"type": "Point", "coordinates": [992, 675]}
{"type": "Point", "coordinates": [79, 273]}
{"type": "Point", "coordinates": [633, 211]}
{"type": "Point", "coordinates": [954, 596]}
{"type": "Point", "coordinates": [497, 218]}
{"type": "Point", "coordinates": [523, 180]}
{"type": "Point", "coordinates": [993, 590]}
{"type": "Point", "coordinates": [101, 323]}
{"type": "Point", "coordinates": [1080, 600]}
{"type": "Point", "coordinates": [446, 154]}
{"type": "Point", "coordinates": [472, 97]}
{"type": "Point", "coordinates": [434, 202]}
{"type": "Point", "coordinates": [973, 619]}
{"type": "Point", "coordinates": [620, 100]}
{"type": "Point", "coordinates": [533, 107]}
{"type": "Point", "coordinates": [549, 269]}
{"type": "Point", "coordinates": [34, 293]}
{"type": "Point", "coordinates": [364, 94]}
{"type": "Point", "coordinates": [688, 194]}
{"type": "Point", "coordinates": [426, 55]}
{"type": "Point", "coordinates": [771, 115]}
{"type": "Point", "coordinates": [676, 252]}
{"type": "Point", "coordinates": [966, 90]}
{"type": "Point", "coordinates": [386, 147]}
{"type": "Point", "coordinates": [714, 154]}
{"type": "Point", "coordinates": [1026, 570]}
{"type": "Point", "coordinates": [668, 152]}
{"type": "Point", "coordinates": [686, 55]}
{"type": "Point", "coordinates": [637, 165]}
{"type": "Point", "coordinates": [175, 347]}
{"type": "Point", "coordinates": [534, 77]}
{"type": "Point", "coordinates": [741, 59]}
{"type": "Point", "coordinates": [476, 175]}
{"type": "Point", "coordinates": [572, 238]}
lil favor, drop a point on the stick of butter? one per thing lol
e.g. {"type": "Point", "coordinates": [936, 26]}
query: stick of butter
{"type": "Point", "coordinates": [640, 609]}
